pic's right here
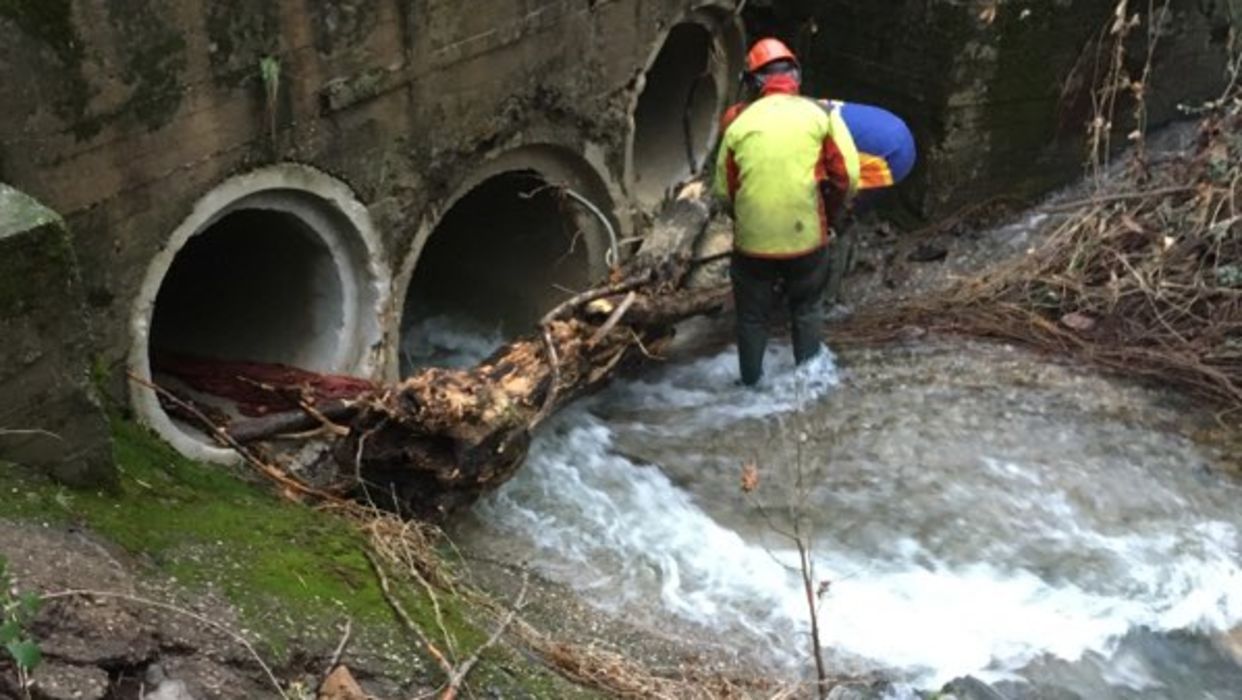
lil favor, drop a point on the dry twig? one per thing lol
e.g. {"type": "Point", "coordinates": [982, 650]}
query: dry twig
{"type": "Point", "coordinates": [268, 470]}
{"type": "Point", "coordinates": [408, 622]}
{"type": "Point", "coordinates": [340, 647]}
{"type": "Point", "coordinates": [1145, 280]}
{"type": "Point", "coordinates": [464, 668]}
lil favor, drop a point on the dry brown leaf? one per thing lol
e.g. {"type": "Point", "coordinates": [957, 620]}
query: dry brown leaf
{"type": "Point", "coordinates": [750, 477]}
{"type": "Point", "coordinates": [340, 685]}
{"type": "Point", "coordinates": [988, 14]}
{"type": "Point", "coordinates": [694, 190]}
{"type": "Point", "coordinates": [600, 307]}
{"type": "Point", "coordinates": [1078, 322]}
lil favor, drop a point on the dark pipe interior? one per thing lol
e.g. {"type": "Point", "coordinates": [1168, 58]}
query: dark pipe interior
{"type": "Point", "coordinates": [256, 285]}
{"type": "Point", "coordinates": [500, 258]}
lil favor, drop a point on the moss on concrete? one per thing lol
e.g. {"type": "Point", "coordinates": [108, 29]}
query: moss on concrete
{"type": "Point", "coordinates": [154, 60]}
{"type": "Point", "coordinates": [291, 571]}
{"type": "Point", "coordinates": [205, 526]}
{"type": "Point", "coordinates": [1029, 108]}
{"type": "Point", "coordinates": [50, 21]}
{"type": "Point", "coordinates": [44, 395]}
{"type": "Point", "coordinates": [239, 35]}
{"type": "Point", "coordinates": [343, 25]}
{"type": "Point", "coordinates": [36, 263]}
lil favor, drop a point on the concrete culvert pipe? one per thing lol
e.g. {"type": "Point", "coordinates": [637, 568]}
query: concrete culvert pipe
{"type": "Point", "coordinates": [259, 284]}
{"type": "Point", "coordinates": [511, 246]}
{"type": "Point", "coordinates": [684, 91]}
{"type": "Point", "coordinates": [279, 266]}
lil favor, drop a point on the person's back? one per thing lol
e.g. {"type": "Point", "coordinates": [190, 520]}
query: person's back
{"type": "Point", "coordinates": [786, 165]}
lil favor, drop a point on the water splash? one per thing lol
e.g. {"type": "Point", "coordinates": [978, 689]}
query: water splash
{"type": "Point", "coordinates": [1057, 537]}
{"type": "Point", "coordinates": [705, 393]}
{"type": "Point", "coordinates": [447, 341]}
{"type": "Point", "coordinates": [624, 531]}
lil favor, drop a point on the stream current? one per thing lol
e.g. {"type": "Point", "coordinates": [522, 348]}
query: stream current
{"type": "Point", "coordinates": [974, 510]}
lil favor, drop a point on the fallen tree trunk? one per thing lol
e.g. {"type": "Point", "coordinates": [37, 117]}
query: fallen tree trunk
{"type": "Point", "coordinates": [441, 438]}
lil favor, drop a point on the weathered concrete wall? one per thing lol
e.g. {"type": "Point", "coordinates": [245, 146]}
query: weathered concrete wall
{"type": "Point", "coordinates": [1000, 103]}
{"type": "Point", "coordinates": [48, 417]}
{"type": "Point", "coordinates": [121, 114]}
{"type": "Point", "coordinates": [126, 115]}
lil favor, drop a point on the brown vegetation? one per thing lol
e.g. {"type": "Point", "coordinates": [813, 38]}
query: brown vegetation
{"type": "Point", "coordinates": [1144, 277]}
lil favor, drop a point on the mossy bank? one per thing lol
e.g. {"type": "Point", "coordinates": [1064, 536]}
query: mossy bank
{"type": "Point", "coordinates": [294, 574]}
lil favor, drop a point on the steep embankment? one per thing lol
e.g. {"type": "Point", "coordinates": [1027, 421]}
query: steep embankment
{"type": "Point", "coordinates": [203, 578]}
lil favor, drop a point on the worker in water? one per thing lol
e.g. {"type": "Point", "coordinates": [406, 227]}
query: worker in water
{"type": "Point", "coordinates": [787, 170]}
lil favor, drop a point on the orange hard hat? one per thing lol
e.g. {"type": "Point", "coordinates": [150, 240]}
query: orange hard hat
{"type": "Point", "coordinates": [766, 51]}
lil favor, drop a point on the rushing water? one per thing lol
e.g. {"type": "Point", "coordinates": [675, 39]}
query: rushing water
{"type": "Point", "coordinates": [975, 510]}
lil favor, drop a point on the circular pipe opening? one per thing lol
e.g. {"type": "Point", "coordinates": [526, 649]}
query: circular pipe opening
{"type": "Point", "coordinates": [257, 285]}
{"type": "Point", "coordinates": [516, 242]}
{"type": "Point", "coordinates": [279, 266]}
{"type": "Point", "coordinates": [685, 88]}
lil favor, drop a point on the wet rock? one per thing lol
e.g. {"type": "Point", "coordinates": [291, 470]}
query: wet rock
{"type": "Point", "coordinates": [970, 688]}
{"type": "Point", "coordinates": [95, 634]}
{"type": "Point", "coordinates": [47, 412]}
{"type": "Point", "coordinates": [909, 334]}
{"type": "Point", "coordinates": [1035, 691]}
{"type": "Point", "coordinates": [209, 679]}
{"type": "Point", "coordinates": [53, 680]}
{"type": "Point", "coordinates": [165, 688]}
{"type": "Point", "coordinates": [869, 688]}
{"type": "Point", "coordinates": [853, 692]}
{"type": "Point", "coordinates": [928, 252]}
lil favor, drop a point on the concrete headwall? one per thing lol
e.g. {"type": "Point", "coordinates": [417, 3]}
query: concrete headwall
{"type": "Point", "coordinates": [998, 91]}
{"type": "Point", "coordinates": [121, 114]}
{"type": "Point", "coordinates": [343, 133]}
{"type": "Point", "coordinates": [129, 116]}
{"type": "Point", "coordinates": [49, 417]}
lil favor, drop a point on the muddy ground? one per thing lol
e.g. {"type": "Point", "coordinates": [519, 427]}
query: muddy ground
{"type": "Point", "coordinates": [96, 648]}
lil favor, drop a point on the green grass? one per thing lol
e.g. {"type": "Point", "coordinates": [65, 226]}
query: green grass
{"type": "Point", "coordinates": [277, 561]}
{"type": "Point", "coordinates": [292, 572]}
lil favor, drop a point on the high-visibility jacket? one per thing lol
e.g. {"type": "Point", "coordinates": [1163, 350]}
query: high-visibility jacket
{"type": "Point", "coordinates": [788, 166]}
{"type": "Point", "coordinates": [886, 148]}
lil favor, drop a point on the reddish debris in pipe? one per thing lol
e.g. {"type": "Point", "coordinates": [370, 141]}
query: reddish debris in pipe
{"type": "Point", "coordinates": [259, 388]}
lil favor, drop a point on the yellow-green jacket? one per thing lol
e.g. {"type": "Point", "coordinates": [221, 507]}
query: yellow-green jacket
{"type": "Point", "coordinates": [788, 166]}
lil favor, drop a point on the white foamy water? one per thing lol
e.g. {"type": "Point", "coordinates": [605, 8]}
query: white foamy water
{"type": "Point", "coordinates": [705, 392]}
{"type": "Point", "coordinates": [1061, 567]}
{"type": "Point", "coordinates": [447, 341]}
